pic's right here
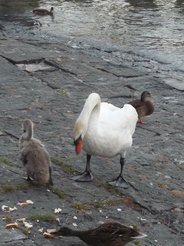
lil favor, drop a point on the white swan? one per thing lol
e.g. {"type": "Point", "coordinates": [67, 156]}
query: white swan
{"type": "Point", "coordinates": [104, 130]}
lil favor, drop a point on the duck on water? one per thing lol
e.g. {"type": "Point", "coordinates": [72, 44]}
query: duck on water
{"type": "Point", "coordinates": [43, 11]}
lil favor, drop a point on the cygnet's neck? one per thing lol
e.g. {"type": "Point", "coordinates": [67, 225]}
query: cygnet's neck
{"type": "Point", "coordinates": [28, 134]}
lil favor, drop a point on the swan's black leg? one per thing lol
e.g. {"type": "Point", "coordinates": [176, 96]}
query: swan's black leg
{"type": "Point", "coordinates": [86, 176]}
{"type": "Point", "coordinates": [120, 181]}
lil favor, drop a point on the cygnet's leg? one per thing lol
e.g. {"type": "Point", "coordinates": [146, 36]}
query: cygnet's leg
{"type": "Point", "coordinates": [86, 176]}
{"type": "Point", "coordinates": [28, 178]}
{"type": "Point", "coordinates": [50, 178]}
{"type": "Point", "coordinates": [120, 181]}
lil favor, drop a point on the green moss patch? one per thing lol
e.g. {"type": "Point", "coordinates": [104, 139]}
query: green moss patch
{"type": "Point", "coordinates": [43, 217]}
{"type": "Point", "coordinates": [6, 161]}
{"type": "Point", "coordinates": [57, 191]}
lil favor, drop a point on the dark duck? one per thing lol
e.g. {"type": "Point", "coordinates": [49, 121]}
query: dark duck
{"type": "Point", "coordinates": [143, 106]}
{"type": "Point", "coordinates": [110, 233]}
{"type": "Point", "coordinates": [43, 11]}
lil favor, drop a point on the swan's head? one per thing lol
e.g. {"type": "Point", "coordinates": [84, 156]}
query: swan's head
{"type": "Point", "coordinates": [79, 132]}
{"type": "Point", "coordinates": [78, 145]}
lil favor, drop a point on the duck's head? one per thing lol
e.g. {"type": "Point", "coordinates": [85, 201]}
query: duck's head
{"type": "Point", "coordinates": [145, 95]}
{"type": "Point", "coordinates": [51, 10]}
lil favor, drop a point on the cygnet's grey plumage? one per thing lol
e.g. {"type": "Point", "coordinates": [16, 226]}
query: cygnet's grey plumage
{"type": "Point", "coordinates": [34, 156]}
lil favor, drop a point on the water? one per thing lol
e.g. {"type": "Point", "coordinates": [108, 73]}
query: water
{"type": "Point", "coordinates": [151, 29]}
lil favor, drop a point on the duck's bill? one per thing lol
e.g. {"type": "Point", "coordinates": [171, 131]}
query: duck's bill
{"type": "Point", "coordinates": [48, 235]}
{"type": "Point", "coordinates": [141, 235]}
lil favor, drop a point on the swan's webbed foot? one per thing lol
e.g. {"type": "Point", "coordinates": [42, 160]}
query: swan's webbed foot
{"type": "Point", "coordinates": [119, 182]}
{"type": "Point", "coordinates": [86, 176]}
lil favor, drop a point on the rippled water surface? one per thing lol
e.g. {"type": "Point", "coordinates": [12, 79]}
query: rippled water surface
{"type": "Point", "coordinates": [154, 28]}
{"type": "Point", "coordinates": [153, 24]}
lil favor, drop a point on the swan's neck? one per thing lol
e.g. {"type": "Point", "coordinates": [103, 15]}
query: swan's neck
{"type": "Point", "coordinates": [90, 111]}
{"type": "Point", "coordinates": [89, 115]}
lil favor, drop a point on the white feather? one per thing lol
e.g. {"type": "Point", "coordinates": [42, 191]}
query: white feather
{"type": "Point", "coordinates": [106, 130]}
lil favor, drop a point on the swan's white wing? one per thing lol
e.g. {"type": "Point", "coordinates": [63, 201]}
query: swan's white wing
{"type": "Point", "coordinates": [112, 134]}
{"type": "Point", "coordinates": [116, 118]}
{"type": "Point", "coordinates": [108, 106]}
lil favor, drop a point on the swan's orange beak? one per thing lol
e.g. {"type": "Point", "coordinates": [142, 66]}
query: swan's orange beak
{"type": "Point", "coordinates": [78, 145]}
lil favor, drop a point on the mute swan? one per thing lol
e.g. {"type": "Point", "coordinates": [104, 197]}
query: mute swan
{"type": "Point", "coordinates": [104, 130]}
{"type": "Point", "coordinates": [34, 156]}
{"type": "Point", "coordinates": [143, 106]}
{"type": "Point", "coordinates": [109, 233]}
{"type": "Point", "coordinates": [43, 11]}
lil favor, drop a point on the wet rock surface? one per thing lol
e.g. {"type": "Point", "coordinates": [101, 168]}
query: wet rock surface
{"type": "Point", "coordinates": [53, 98]}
